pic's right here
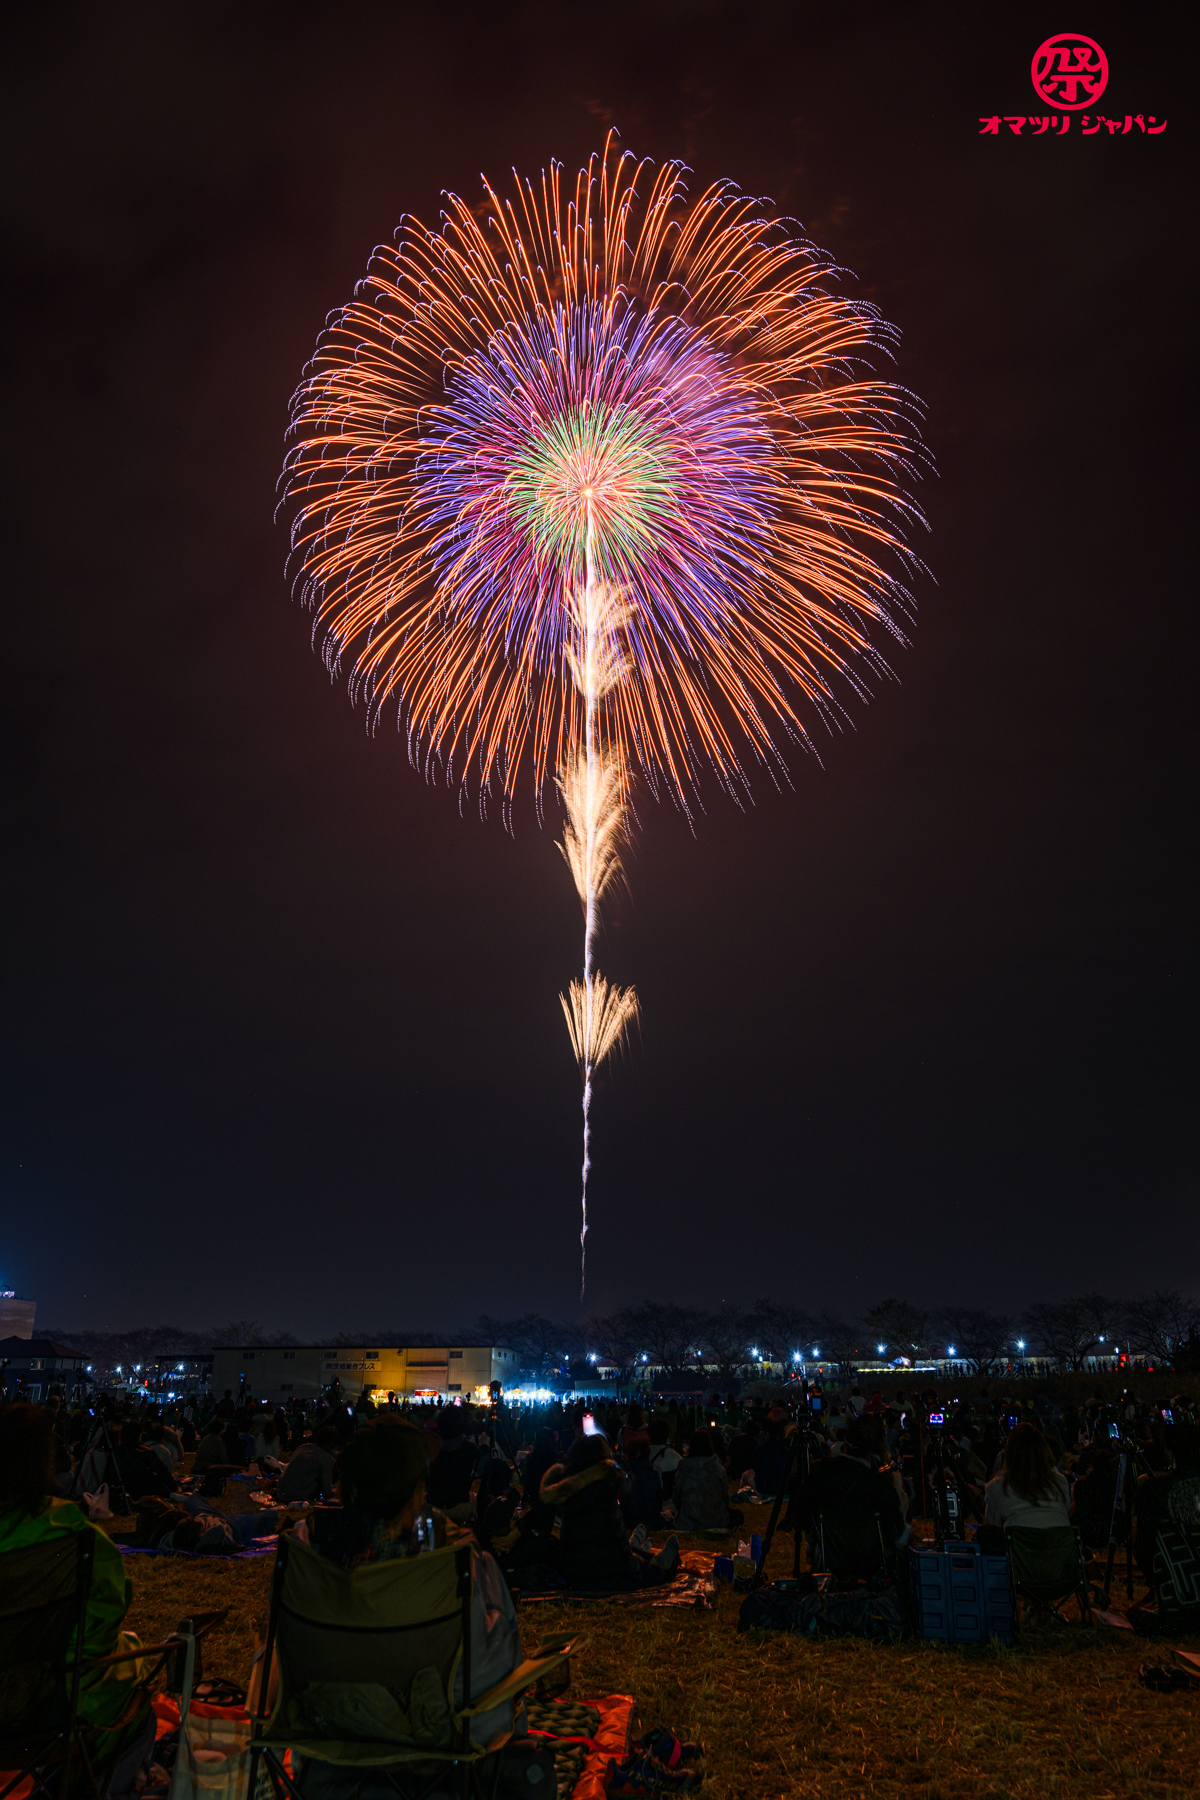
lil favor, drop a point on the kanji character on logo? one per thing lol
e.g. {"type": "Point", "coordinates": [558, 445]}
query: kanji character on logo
{"type": "Point", "coordinates": [1069, 71]}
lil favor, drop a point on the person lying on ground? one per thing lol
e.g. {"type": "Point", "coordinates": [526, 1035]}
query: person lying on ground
{"type": "Point", "coordinates": [594, 1550]}
{"type": "Point", "coordinates": [311, 1474]}
{"type": "Point", "coordinates": [28, 1516]}
{"type": "Point", "coordinates": [701, 1496]}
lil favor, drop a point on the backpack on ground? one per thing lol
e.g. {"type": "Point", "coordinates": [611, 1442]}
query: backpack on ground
{"type": "Point", "coordinates": [872, 1610]}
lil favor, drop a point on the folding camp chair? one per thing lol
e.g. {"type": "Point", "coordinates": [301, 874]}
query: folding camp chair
{"type": "Point", "coordinates": [850, 1545]}
{"type": "Point", "coordinates": [44, 1593]}
{"type": "Point", "coordinates": [1049, 1567]}
{"type": "Point", "coordinates": [343, 1638]}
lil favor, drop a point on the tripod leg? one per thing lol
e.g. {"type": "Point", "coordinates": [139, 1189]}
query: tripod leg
{"type": "Point", "coordinates": [1118, 1506]}
{"type": "Point", "coordinates": [775, 1511]}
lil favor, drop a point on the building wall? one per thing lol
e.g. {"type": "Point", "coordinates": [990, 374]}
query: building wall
{"type": "Point", "coordinates": [309, 1371]}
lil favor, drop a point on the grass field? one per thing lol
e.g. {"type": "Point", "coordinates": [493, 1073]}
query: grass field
{"type": "Point", "coordinates": [1062, 1713]}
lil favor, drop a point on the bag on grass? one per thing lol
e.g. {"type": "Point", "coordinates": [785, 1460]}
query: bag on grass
{"type": "Point", "coordinates": [96, 1505]}
{"type": "Point", "coordinates": [213, 1762]}
{"type": "Point", "coordinates": [1177, 1570]}
{"type": "Point", "coordinates": [874, 1612]}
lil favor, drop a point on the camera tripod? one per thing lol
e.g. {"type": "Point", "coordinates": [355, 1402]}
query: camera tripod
{"type": "Point", "coordinates": [1122, 1512]}
{"type": "Point", "coordinates": [943, 1485]}
{"type": "Point", "coordinates": [116, 1487]}
{"type": "Point", "coordinates": [804, 1441]}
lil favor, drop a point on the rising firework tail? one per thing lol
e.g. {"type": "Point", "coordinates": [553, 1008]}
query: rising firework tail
{"type": "Point", "coordinates": [597, 480]}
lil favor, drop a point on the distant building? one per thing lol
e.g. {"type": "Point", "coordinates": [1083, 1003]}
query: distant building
{"type": "Point", "coordinates": [317, 1371]}
{"type": "Point", "coordinates": [16, 1315]}
{"type": "Point", "coordinates": [181, 1374]}
{"type": "Point", "coordinates": [30, 1367]}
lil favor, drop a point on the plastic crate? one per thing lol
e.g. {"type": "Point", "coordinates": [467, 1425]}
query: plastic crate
{"type": "Point", "coordinates": [961, 1596]}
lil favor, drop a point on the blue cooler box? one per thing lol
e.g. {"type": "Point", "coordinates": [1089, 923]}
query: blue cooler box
{"type": "Point", "coordinates": [961, 1596]}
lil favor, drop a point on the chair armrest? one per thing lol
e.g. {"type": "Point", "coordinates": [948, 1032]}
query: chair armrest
{"type": "Point", "coordinates": [105, 1662]}
{"type": "Point", "coordinates": [203, 1623]}
{"type": "Point", "coordinates": [520, 1678]}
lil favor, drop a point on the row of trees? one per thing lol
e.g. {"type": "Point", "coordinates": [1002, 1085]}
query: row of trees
{"type": "Point", "coordinates": [1163, 1325]}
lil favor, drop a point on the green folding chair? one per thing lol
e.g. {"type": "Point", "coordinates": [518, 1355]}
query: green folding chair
{"type": "Point", "coordinates": [44, 1591]}
{"type": "Point", "coordinates": [1049, 1567]}
{"type": "Point", "coordinates": [368, 1660]}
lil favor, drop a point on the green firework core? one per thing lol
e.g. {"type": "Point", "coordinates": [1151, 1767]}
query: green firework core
{"type": "Point", "coordinates": [612, 456]}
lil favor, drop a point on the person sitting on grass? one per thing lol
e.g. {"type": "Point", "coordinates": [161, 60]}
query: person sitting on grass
{"type": "Point", "coordinates": [311, 1473]}
{"type": "Point", "coordinates": [452, 1464]}
{"type": "Point", "coordinates": [271, 1439]}
{"type": "Point", "coordinates": [770, 1461]}
{"type": "Point", "coordinates": [634, 1430]}
{"type": "Point", "coordinates": [139, 1470]}
{"type": "Point", "coordinates": [594, 1551]}
{"type": "Point", "coordinates": [664, 1457]}
{"type": "Point", "coordinates": [29, 1516]}
{"type": "Point", "coordinates": [211, 1450]}
{"type": "Point", "coordinates": [853, 1510]}
{"type": "Point", "coordinates": [642, 1502]}
{"type": "Point", "coordinates": [701, 1496]}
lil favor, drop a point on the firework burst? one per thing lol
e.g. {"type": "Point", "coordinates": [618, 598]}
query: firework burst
{"type": "Point", "coordinates": [598, 479]}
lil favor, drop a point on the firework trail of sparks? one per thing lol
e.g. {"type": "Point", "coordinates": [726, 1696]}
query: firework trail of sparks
{"type": "Point", "coordinates": [595, 481]}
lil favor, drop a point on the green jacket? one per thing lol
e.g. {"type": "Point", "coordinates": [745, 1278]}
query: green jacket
{"type": "Point", "coordinates": [104, 1695]}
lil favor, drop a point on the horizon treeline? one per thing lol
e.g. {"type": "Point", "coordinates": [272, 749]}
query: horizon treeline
{"type": "Point", "coordinates": [734, 1340]}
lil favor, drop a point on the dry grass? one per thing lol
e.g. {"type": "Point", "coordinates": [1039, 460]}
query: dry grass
{"type": "Point", "coordinates": [1062, 1713]}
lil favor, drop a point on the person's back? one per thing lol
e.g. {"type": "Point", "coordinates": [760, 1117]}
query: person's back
{"type": "Point", "coordinates": [383, 1493]}
{"type": "Point", "coordinates": [139, 1470]}
{"type": "Point", "coordinates": [852, 1511]}
{"type": "Point", "coordinates": [701, 1495]}
{"type": "Point", "coordinates": [769, 1462]}
{"type": "Point", "coordinates": [210, 1450]}
{"type": "Point", "coordinates": [1029, 1493]}
{"type": "Point", "coordinates": [586, 1490]}
{"type": "Point", "coordinates": [741, 1454]}
{"type": "Point", "coordinates": [642, 1504]}
{"type": "Point", "coordinates": [452, 1470]}
{"type": "Point", "coordinates": [310, 1474]}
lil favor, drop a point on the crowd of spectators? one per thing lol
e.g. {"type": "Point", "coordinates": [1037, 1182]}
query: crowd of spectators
{"type": "Point", "coordinates": [569, 1497]}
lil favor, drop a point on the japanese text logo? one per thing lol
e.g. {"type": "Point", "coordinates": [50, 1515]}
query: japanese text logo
{"type": "Point", "coordinates": [1069, 71]}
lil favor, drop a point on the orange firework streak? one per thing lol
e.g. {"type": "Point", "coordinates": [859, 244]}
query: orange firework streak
{"type": "Point", "coordinates": [595, 480]}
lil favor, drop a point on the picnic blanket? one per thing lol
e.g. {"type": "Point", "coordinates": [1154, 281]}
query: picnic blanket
{"type": "Point", "coordinates": [582, 1762]}
{"type": "Point", "coordinates": [241, 1554]}
{"type": "Point", "coordinates": [694, 1585]}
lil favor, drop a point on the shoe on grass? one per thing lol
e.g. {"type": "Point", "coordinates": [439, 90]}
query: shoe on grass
{"type": "Point", "coordinates": [637, 1537]}
{"type": "Point", "coordinates": [668, 1557]}
{"type": "Point", "coordinates": [646, 1775]}
{"type": "Point", "coordinates": [671, 1751]}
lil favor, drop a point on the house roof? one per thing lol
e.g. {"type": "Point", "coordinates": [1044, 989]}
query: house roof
{"type": "Point", "coordinates": [19, 1347]}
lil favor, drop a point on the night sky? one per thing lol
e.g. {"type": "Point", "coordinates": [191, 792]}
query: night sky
{"type": "Point", "coordinates": [284, 1039]}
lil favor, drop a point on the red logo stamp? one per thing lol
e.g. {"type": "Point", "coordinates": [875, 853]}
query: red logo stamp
{"type": "Point", "coordinates": [1070, 71]}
